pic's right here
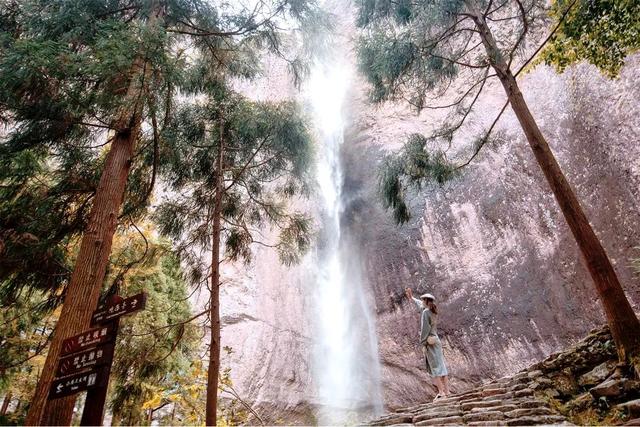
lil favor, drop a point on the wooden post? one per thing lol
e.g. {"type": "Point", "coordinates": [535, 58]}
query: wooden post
{"type": "Point", "coordinates": [93, 411]}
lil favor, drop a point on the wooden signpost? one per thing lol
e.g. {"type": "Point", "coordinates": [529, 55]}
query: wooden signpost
{"type": "Point", "coordinates": [118, 309]}
{"type": "Point", "coordinates": [85, 359]}
{"type": "Point", "coordinates": [76, 383]}
{"type": "Point", "coordinates": [87, 339]}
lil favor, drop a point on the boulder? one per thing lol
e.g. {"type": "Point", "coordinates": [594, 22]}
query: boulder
{"type": "Point", "coordinates": [631, 387]}
{"type": "Point", "coordinates": [543, 382]}
{"type": "Point", "coordinates": [533, 403]}
{"type": "Point", "coordinates": [580, 402]}
{"type": "Point", "coordinates": [608, 388]}
{"type": "Point", "coordinates": [632, 407]}
{"type": "Point", "coordinates": [565, 383]}
{"type": "Point", "coordinates": [597, 374]}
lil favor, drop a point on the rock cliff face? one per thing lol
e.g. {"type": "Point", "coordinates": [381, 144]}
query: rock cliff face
{"type": "Point", "coordinates": [491, 245]}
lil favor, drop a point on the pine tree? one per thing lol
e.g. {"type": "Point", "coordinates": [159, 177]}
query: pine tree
{"type": "Point", "coordinates": [234, 168]}
{"type": "Point", "coordinates": [411, 49]}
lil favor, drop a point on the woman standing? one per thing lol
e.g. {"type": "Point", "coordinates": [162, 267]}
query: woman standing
{"type": "Point", "coordinates": [431, 345]}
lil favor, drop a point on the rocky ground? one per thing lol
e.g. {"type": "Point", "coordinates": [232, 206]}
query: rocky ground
{"type": "Point", "coordinates": [582, 385]}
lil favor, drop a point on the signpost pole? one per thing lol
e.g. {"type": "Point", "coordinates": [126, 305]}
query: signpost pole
{"type": "Point", "coordinates": [86, 359]}
{"type": "Point", "coordinates": [93, 411]}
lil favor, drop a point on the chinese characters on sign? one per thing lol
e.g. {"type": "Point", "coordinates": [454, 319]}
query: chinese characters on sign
{"type": "Point", "coordinates": [86, 359]}
{"type": "Point", "coordinates": [113, 311]}
{"type": "Point", "coordinates": [73, 384]}
{"type": "Point", "coordinates": [87, 339]}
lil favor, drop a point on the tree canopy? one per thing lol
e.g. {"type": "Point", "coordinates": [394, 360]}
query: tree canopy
{"type": "Point", "coordinates": [267, 157]}
{"type": "Point", "coordinates": [602, 32]}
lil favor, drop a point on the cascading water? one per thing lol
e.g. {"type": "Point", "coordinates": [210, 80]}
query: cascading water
{"type": "Point", "coordinates": [346, 366]}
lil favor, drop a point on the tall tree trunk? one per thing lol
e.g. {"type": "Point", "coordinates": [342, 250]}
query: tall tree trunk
{"type": "Point", "coordinates": [5, 403]}
{"type": "Point", "coordinates": [214, 313]}
{"type": "Point", "coordinates": [83, 292]}
{"type": "Point", "coordinates": [624, 324]}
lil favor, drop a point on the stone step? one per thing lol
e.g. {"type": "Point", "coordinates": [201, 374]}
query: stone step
{"type": "Point", "coordinates": [471, 395]}
{"type": "Point", "coordinates": [484, 416]}
{"type": "Point", "coordinates": [392, 419]}
{"type": "Point", "coordinates": [523, 393]}
{"type": "Point", "coordinates": [488, 423]}
{"type": "Point", "coordinates": [503, 402]}
{"type": "Point", "coordinates": [438, 406]}
{"type": "Point", "coordinates": [536, 420]}
{"type": "Point", "coordinates": [503, 396]}
{"type": "Point", "coordinates": [535, 374]}
{"type": "Point", "coordinates": [445, 401]}
{"type": "Point", "coordinates": [440, 402]}
{"type": "Point", "coordinates": [493, 391]}
{"type": "Point", "coordinates": [428, 415]}
{"type": "Point", "coordinates": [528, 412]}
{"type": "Point", "coordinates": [411, 408]}
{"type": "Point", "coordinates": [501, 408]}
{"type": "Point", "coordinates": [518, 386]}
{"type": "Point", "coordinates": [530, 403]}
{"type": "Point", "coordinates": [491, 386]}
{"type": "Point", "coordinates": [441, 421]}
{"type": "Point", "coordinates": [467, 406]}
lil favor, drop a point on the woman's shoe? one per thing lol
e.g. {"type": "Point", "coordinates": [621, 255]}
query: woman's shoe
{"type": "Point", "coordinates": [438, 396]}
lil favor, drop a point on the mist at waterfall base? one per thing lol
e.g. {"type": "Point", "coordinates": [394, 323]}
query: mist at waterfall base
{"type": "Point", "coordinates": [346, 366]}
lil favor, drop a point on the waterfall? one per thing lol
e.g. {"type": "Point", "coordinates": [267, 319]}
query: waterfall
{"type": "Point", "coordinates": [346, 364]}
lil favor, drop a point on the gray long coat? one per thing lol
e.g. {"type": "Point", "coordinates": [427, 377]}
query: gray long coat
{"type": "Point", "coordinates": [433, 355]}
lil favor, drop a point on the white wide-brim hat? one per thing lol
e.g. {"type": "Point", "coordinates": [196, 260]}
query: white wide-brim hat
{"type": "Point", "coordinates": [427, 296]}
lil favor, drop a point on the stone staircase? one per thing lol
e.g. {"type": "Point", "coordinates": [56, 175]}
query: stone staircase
{"type": "Point", "coordinates": [504, 402]}
{"type": "Point", "coordinates": [583, 384]}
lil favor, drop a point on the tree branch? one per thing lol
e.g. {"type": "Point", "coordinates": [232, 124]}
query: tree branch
{"type": "Point", "coordinates": [484, 140]}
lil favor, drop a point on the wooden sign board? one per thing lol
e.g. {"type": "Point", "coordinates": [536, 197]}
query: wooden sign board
{"type": "Point", "coordinates": [88, 339]}
{"type": "Point", "coordinates": [87, 359]}
{"type": "Point", "coordinates": [76, 383]}
{"type": "Point", "coordinates": [115, 310]}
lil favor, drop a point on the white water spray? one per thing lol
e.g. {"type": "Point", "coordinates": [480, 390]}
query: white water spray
{"type": "Point", "coordinates": [346, 365]}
